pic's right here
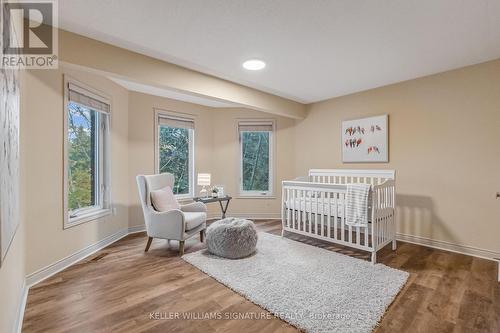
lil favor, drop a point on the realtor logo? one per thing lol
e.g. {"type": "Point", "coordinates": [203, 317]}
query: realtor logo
{"type": "Point", "coordinates": [29, 34]}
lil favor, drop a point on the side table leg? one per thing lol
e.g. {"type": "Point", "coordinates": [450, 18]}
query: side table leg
{"type": "Point", "coordinates": [224, 209]}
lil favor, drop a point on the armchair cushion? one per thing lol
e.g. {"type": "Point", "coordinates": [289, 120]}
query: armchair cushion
{"type": "Point", "coordinates": [163, 200]}
{"type": "Point", "coordinates": [194, 219]}
{"type": "Point", "coordinates": [194, 207]}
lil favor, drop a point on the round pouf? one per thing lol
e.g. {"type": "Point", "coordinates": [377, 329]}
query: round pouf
{"type": "Point", "coordinates": [232, 238]}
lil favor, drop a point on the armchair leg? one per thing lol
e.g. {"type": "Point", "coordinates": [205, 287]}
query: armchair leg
{"type": "Point", "coordinates": [181, 248]}
{"type": "Point", "coordinates": [150, 239]}
{"type": "Point", "coordinates": [202, 235]}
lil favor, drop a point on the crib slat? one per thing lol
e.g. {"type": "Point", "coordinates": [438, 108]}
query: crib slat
{"type": "Point", "coordinates": [288, 210]}
{"type": "Point", "coordinates": [379, 230]}
{"type": "Point", "coordinates": [366, 229]}
{"type": "Point", "coordinates": [322, 211]}
{"type": "Point", "coordinates": [358, 241]}
{"type": "Point", "coordinates": [300, 211]}
{"type": "Point", "coordinates": [329, 214]}
{"type": "Point", "coordinates": [335, 214]}
{"type": "Point", "coordinates": [385, 229]}
{"type": "Point", "coordinates": [342, 220]}
{"type": "Point", "coordinates": [387, 235]}
{"type": "Point", "coordinates": [293, 209]}
{"type": "Point", "coordinates": [317, 212]}
{"type": "Point", "coordinates": [309, 211]}
{"type": "Point", "coordinates": [304, 222]}
{"type": "Point", "coordinates": [382, 231]}
{"type": "Point", "coordinates": [350, 233]}
{"type": "Point", "coordinates": [304, 212]}
{"type": "Point", "coordinates": [366, 235]}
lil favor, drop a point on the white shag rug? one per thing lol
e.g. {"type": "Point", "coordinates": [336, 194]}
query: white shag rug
{"type": "Point", "coordinates": [314, 289]}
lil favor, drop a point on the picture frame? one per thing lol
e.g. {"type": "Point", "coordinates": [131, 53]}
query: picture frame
{"type": "Point", "coordinates": [9, 158]}
{"type": "Point", "coordinates": [365, 140]}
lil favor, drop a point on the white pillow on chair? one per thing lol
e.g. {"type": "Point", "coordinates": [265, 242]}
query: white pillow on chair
{"type": "Point", "coordinates": [163, 200]}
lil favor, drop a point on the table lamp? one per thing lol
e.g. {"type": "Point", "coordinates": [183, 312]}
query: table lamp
{"type": "Point", "coordinates": [204, 180]}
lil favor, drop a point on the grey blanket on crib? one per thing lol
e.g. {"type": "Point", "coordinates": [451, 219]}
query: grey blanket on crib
{"type": "Point", "coordinates": [357, 204]}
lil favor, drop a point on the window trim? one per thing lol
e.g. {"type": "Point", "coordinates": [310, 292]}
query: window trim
{"type": "Point", "coordinates": [160, 113]}
{"type": "Point", "coordinates": [272, 153]}
{"type": "Point", "coordinates": [104, 178]}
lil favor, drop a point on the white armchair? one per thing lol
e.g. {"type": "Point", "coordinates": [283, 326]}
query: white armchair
{"type": "Point", "coordinates": [177, 224]}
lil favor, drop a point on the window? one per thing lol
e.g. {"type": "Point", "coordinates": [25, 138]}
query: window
{"type": "Point", "coordinates": [175, 147]}
{"type": "Point", "coordinates": [256, 158]}
{"type": "Point", "coordinates": [86, 155]}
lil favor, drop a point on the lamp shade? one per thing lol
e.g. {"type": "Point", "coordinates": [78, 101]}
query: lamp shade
{"type": "Point", "coordinates": [204, 179]}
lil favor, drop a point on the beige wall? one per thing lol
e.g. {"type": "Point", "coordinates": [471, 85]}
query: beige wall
{"type": "Point", "coordinates": [444, 146]}
{"type": "Point", "coordinates": [42, 126]}
{"type": "Point", "coordinates": [216, 150]}
{"type": "Point", "coordinates": [142, 144]}
{"type": "Point", "coordinates": [226, 163]}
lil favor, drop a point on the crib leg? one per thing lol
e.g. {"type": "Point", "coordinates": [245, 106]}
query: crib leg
{"type": "Point", "coordinates": [374, 257]}
{"type": "Point", "coordinates": [282, 232]}
{"type": "Point", "coordinates": [394, 245]}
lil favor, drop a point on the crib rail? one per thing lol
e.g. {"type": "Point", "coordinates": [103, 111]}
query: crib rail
{"type": "Point", "coordinates": [317, 209]}
{"type": "Point", "coordinates": [345, 176]}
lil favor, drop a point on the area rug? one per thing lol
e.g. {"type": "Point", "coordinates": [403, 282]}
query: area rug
{"type": "Point", "coordinates": [313, 289]}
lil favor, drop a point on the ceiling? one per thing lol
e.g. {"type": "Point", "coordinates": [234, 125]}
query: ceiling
{"type": "Point", "coordinates": [314, 49]}
{"type": "Point", "coordinates": [172, 94]}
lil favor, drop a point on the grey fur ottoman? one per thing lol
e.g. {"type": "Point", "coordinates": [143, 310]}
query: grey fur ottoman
{"type": "Point", "coordinates": [232, 238]}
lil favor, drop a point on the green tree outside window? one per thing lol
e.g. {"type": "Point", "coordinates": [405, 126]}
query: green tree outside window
{"type": "Point", "coordinates": [255, 163]}
{"type": "Point", "coordinates": [174, 156]}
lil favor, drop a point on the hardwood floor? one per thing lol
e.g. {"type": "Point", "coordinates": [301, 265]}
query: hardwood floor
{"type": "Point", "coordinates": [123, 289]}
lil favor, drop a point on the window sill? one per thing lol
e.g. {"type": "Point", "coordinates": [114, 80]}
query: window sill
{"type": "Point", "coordinates": [90, 216]}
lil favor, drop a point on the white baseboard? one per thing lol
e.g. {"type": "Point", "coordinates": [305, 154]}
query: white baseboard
{"type": "Point", "coordinates": [447, 246]}
{"type": "Point", "coordinates": [61, 264]}
{"type": "Point", "coordinates": [136, 229]}
{"type": "Point", "coordinates": [18, 325]}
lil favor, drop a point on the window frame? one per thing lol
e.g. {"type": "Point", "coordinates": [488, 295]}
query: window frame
{"type": "Point", "coordinates": [269, 194]}
{"type": "Point", "coordinates": [159, 113]}
{"type": "Point", "coordinates": [103, 179]}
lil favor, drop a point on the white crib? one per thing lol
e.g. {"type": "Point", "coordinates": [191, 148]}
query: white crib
{"type": "Point", "coordinates": [315, 206]}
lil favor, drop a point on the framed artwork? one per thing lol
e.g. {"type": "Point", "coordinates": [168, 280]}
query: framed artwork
{"type": "Point", "coordinates": [9, 157]}
{"type": "Point", "coordinates": [365, 140]}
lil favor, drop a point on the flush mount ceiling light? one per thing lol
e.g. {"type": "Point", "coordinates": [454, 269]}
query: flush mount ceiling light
{"type": "Point", "coordinates": [254, 65]}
